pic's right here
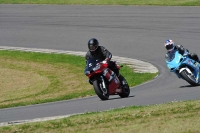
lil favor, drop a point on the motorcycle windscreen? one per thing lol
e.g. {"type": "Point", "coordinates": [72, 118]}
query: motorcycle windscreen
{"type": "Point", "coordinates": [91, 64]}
{"type": "Point", "coordinates": [173, 59]}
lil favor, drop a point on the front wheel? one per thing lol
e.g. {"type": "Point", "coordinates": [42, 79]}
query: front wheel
{"type": "Point", "coordinates": [98, 87]}
{"type": "Point", "coordinates": [125, 87]}
{"type": "Point", "coordinates": [189, 78]}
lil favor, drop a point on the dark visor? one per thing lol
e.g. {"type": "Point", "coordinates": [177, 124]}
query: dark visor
{"type": "Point", "coordinates": [92, 48]}
{"type": "Point", "coordinates": [170, 46]}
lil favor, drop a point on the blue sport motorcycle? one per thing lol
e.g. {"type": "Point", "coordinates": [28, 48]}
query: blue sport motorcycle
{"type": "Point", "coordinates": [184, 67]}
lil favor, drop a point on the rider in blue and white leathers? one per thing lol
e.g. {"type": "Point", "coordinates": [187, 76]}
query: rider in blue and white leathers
{"type": "Point", "coordinates": [169, 45]}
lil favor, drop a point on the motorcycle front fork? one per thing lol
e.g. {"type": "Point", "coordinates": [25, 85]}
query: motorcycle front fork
{"type": "Point", "coordinates": [103, 88]}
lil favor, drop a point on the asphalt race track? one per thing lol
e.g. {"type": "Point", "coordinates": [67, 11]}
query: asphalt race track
{"type": "Point", "coordinates": [135, 32]}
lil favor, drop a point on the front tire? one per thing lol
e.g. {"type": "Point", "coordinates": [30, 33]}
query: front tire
{"type": "Point", "coordinates": [98, 89]}
{"type": "Point", "coordinates": [189, 78]}
{"type": "Point", "coordinates": [125, 87]}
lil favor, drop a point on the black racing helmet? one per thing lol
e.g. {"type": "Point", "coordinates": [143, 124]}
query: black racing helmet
{"type": "Point", "coordinates": [93, 44]}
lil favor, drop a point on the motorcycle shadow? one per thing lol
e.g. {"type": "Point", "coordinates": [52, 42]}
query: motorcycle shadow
{"type": "Point", "coordinates": [187, 86]}
{"type": "Point", "coordinates": [114, 98]}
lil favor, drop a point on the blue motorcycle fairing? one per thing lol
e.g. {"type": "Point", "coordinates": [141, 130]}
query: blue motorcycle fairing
{"type": "Point", "coordinates": [175, 61]}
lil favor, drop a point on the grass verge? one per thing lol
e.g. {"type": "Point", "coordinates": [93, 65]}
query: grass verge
{"type": "Point", "coordinates": [174, 117]}
{"type": "Point", "coordinates": [32, 78]}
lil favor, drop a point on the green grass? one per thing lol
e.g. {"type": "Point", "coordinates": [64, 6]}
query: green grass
{"type": "Point", "coordinates": [32, 78]}
{"type": "Point", "coordinates": [174, 117]}
{"type": "Point", "coordinates": [108, 2]}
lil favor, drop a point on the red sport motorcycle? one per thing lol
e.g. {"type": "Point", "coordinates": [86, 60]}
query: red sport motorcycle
{"type": "Point", "coordinates": [105, 81]}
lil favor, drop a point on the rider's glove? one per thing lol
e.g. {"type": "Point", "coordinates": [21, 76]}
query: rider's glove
{"type": "Point", "coordinates": [186, 52]}
{"type": "Point", "coordinates": [86, 73]}
{"type": "Point", "coordinates": [106, 61]}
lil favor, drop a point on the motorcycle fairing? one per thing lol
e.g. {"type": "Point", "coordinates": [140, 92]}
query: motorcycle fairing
{"type": "Point", "coordinates": [175, 61]}
{"type": "Point", "coordinates": [94, 66]}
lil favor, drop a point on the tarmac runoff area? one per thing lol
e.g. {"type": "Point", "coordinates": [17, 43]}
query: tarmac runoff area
{"type": "Point", "coordinates": [137, 65]}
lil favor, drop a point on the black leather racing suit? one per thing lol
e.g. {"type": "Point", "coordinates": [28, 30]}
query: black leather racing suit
{"type": "Point", "coordinates": [182, 51]}
{"type": "Point", "coordinates": [102, 54]}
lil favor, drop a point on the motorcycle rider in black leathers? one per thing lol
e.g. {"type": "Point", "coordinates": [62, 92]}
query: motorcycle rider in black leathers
{"type": "Point", "coordinates": [100, 52]}
{"type": "Point", "coordinates": [169, 45]}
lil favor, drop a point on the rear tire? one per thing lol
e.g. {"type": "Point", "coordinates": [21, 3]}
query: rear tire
{"type": "Point", "coordinates": [97, 87]}
{"type": "Point", "coordinates": [125, 87]}
{"type": "Point", "coordinates": [189, 78]}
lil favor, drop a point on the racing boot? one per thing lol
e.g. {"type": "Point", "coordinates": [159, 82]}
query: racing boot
{"type": "Point", "coordinates": [120, 77]}
{"type": "Point", "coordinates": [116, 71]}
{"type": "Point", "coordinates": [122, 80]}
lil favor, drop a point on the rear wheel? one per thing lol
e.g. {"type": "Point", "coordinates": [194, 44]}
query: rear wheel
{"type": "Point", "coordinates": [101, 92]}
{"type": "Point", "coordinates": [189, 78]}
{"type": "Point", "coordinates": [125, 87]}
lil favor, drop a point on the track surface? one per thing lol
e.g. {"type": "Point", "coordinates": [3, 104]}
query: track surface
{"type": "Point", "coordinates": [130, 31]}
